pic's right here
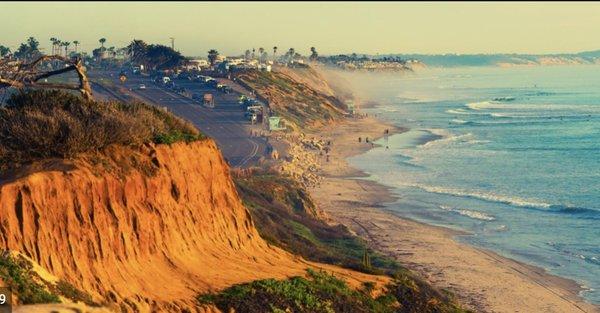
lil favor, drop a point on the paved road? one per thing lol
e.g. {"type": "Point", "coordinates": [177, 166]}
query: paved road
{"type": "Point", "coordinates": [225, 123]}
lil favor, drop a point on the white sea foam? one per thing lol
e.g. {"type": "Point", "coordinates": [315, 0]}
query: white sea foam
{"type": "Point", "coordinates": [458, 121]}
{"type": "Point", "coordinates": [487, 196]}
{"type": "Point", "coordinates": [470, 213]}
{"type": "Point", "coordinates": [458, 111]}
{"type": "Point", "coordinates": [447, 138]}
{"type": "Point", "coordinates": [477, 106]}
{"type": "Point", "coordinates": [536, 107]}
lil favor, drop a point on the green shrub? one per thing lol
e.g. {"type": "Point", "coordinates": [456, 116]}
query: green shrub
{"type": "Point", "coordinates": [319, 293]}
{"type": "Point", "coordinates": [38, 124]}
{"type": "Point", "coordinates": [69, 291]}
{"type": "Point", "coordinates": [18, 275]}
{"type": "Point", "coordinates": [417, 296]}
{"type": "Point", "coordinates": [324, 293]}
{"type": "Point", "coordinates": [286, 216]}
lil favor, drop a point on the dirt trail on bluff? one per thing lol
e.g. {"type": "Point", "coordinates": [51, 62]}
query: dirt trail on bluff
{"type": "Point", "coordinates": [148, 228]}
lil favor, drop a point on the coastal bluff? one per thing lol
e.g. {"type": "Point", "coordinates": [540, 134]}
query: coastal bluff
{"type": "Point", "coordinates": [143, 230]}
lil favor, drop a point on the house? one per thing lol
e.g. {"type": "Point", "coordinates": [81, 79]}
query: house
{"type": "Point", "coordinates": [197, 64]}
{"type": "Point", "coordinates": [264, 67]}
{"type": "Point", "coordinates": [235, 61]}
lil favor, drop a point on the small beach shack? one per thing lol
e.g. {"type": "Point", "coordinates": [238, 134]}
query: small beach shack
{"type": "Point", "coordinates": [276, 123]}
{"type": "Point", "coordinates": [350, 106]}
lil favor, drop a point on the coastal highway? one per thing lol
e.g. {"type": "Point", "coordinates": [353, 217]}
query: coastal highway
{"type": "Point", "coordinates": [225, 123]}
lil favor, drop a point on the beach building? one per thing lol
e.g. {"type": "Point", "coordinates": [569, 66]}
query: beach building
{"type": "Point", "coordinates": [276, 123]}
{"type": "Point", "coordinates": [350, 106]}
{"type": "Point", "coordinates": [236, 61]}
{"type": "Point", "coordinates": [197, 64]}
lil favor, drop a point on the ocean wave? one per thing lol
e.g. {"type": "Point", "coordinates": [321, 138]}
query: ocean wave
{"type": "Point", "coordinates": [515, 201]}
{"type": "Point", "coordinates": [447, 138]}
{"type": "Point", "coordinates": [586, 213]}
{"type": "Point", "coordinates": [544, 115]}
{"type": "Point", "coordinates": [458, 111]}
{"type": "Point", "coordinates": [469, 213]}
{"type": "Point", "coordinates": [505, 122]}
{"type": "Point", "coordinates": [584, 255]}
{"type": "Point", "coordinates": [532, 107]}
{"type": "Point", "coordinates": [461, 111]}
{"type": "Point", "coordinates": [504, 99]}
{"type": "Point", "coordinates": [477, 106]}
{"type": "Point", "coordinates": [459, 121]}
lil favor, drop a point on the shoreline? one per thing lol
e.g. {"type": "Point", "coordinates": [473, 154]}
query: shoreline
{"type": "Point", "coordinates": [481, 279]}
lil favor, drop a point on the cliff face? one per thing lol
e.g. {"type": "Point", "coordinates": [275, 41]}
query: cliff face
{"type": "Point", "coordinates": [145, 229]}
{"type": "Point", "coordinates": [301, 96]}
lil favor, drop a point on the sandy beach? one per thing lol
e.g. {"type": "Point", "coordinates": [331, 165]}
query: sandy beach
{"type": "Point", "coordinates": [482, 280]}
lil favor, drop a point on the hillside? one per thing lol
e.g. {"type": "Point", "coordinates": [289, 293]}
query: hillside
{"type": "Point", "coordinates": [301, 96]}
{"type": "Point", "coordinates": [145, 229]}
{"type": "Point", "coordinates": [152, 221]}
{"type": "Point", "coordinates": [140, 225]}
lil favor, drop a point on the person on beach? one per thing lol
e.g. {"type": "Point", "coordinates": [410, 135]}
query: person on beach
{"type": "Point", "coordinates": [359, 139]}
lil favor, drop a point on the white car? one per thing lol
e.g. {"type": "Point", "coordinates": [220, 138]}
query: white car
{"type": "Point", "coordinates": [142, 86]}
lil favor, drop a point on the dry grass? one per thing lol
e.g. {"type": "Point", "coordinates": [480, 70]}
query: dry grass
{"type": "Point", "coordinates": [54, 124]}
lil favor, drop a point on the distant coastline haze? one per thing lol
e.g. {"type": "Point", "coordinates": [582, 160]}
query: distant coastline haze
{"type": "Point", "coordinates": [371, 28]}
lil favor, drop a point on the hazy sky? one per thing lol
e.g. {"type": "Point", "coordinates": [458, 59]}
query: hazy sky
{"type": "Point", "coordinates": [330, 27]}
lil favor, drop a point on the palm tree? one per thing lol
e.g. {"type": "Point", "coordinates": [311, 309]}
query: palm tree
{"type": "Point", "coordinates": [102, 41]}
{"type": "Point", "coordinates": [4, 51]}
{"type": "Point", "coordinates": [76, 43]}
{"type": "Point", "coordinates": [212, 56]}
{"type": "Point", "coordinates": [137, 50]}
{"type": "Point", "coordinates": [261, 52]}
{"type": "Point", "coordinates": [66, 44]}
{"type": "Point", "coordinates": [313, 54]}
{"type": "Point", "coordinates": [53, 41]}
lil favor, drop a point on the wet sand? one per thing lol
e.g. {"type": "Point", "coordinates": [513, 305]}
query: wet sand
{"type": "Point", "coordinates": [481, 279]}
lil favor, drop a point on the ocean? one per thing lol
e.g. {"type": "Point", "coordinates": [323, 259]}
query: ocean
{"type": "Point", "coordinates": [511, 155]}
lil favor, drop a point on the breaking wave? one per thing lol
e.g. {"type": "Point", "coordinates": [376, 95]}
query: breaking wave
{"type": "Point", "coordinates": [469, 213]}
{"type": "Point", "coordinates": [445, 138]}
{"type": "Point", "coordinates": [586, 213]}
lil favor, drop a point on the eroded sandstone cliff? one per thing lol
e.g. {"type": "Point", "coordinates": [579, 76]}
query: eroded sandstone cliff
{"type": "Point", "coordinates": [140, 229]}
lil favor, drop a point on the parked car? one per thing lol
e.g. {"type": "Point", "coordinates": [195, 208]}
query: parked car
{"type": "Point", "coordinates": [212, 83]}
{"type": "Point", "coordinates": [224, 88]}
{"type": "Point", "coordinates": [142, 87]}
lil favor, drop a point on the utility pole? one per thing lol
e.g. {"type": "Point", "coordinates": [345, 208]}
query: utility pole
{"type": "Point", "coordinates": [172, 42]}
